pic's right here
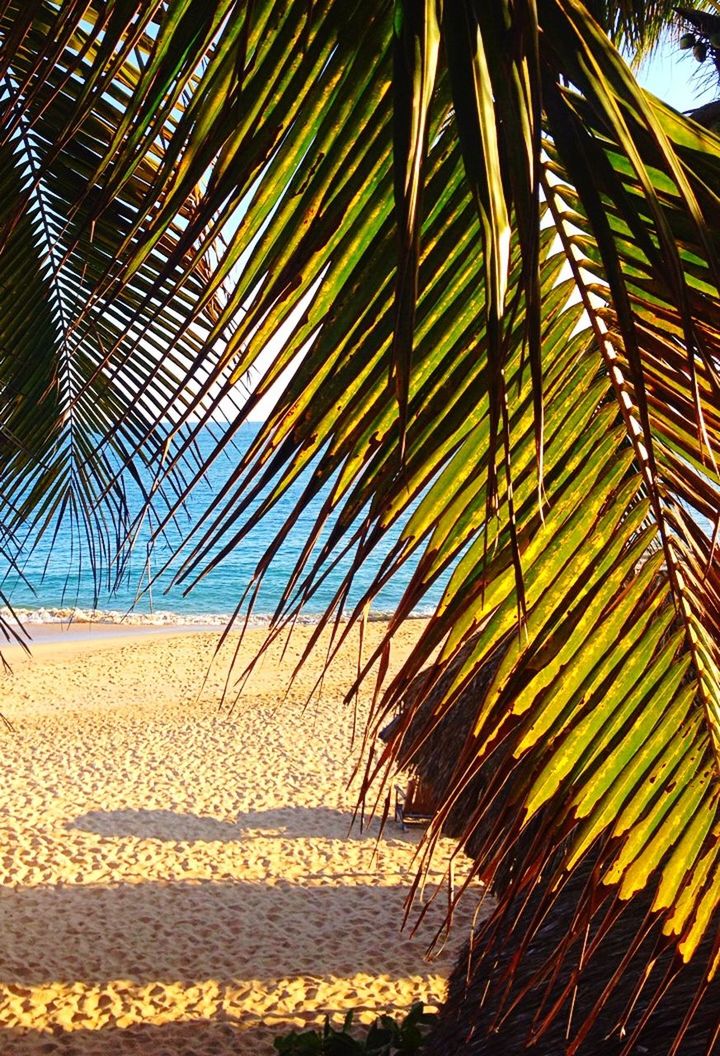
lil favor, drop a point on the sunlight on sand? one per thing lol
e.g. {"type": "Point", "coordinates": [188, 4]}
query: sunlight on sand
{"type": "Point", "coordinates": [177, 879]}
{"type": "Point", "coordinates": [259, 1009]}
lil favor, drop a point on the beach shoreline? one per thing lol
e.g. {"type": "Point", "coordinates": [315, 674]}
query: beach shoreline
{"type": "Point", "coordinates": [43, 619]}
{"type": "Point", "coordinates": [179, 870]}
{"type": "Point", "coordinates": [81, 631]}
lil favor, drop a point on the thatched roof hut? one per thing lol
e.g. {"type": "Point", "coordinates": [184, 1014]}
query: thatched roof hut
{"type": "Point", "coordinates": [435, 757]}
{"type": "Point", "coordinates": [479, 1018]}
{"type": "Point", "coordinates": [435, 748]}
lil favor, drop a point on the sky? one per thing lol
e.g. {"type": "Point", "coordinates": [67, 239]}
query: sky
{"type": "Point", "coordinates": [677, 78]}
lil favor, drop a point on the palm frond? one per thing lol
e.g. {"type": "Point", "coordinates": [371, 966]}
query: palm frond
{"type": "Point", "coordinates": [617, 578]}
{"type": "Point", "coordinates": [91, 367]}
{"type": "Point", "coordinates": [527, 249]}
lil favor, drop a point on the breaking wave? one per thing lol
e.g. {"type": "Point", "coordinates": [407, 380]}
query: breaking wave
{"type": "Point", "coordinates": [160, 618]}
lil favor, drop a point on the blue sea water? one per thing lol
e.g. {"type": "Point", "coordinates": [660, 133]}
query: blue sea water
{"type": "Point", "coordinates": [58, 584]}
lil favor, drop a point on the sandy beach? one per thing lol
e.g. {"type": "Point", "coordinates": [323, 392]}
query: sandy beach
{"type": "Point", "coordinates": [180, 879]}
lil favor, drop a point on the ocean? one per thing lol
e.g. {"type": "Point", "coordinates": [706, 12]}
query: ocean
{"type": "Point", "coordinates": [57, 587]}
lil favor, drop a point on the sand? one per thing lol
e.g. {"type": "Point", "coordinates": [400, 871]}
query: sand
{"type": "Point", "coordinates": [180, 879]}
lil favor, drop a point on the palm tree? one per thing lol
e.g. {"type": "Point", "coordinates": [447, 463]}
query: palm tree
{"type": "Point", "coordinates": [487, 262]}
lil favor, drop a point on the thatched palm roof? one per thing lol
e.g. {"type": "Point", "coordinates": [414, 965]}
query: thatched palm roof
{"type": "Point", "coordinates": [477, 990]}
{"type": "Point", "coordinates": [434, 746]}
{"type": "Point", "coordinates": [478, 984]}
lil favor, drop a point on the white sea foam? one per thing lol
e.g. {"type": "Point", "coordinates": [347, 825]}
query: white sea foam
{"type": "Point", "coordinates": [158, 618]}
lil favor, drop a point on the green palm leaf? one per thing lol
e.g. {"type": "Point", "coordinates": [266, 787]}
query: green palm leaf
{"type": "Point", "coordinates": [527, 250]}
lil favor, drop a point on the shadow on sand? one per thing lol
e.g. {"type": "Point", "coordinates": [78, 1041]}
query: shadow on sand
{"type": "Point", "coordinates": [284, 821]}
{"type": "Point", "coordinates": [197, 1037]}
{"type": "Point", "coordinates": [230, 938]}
{"type": "Point", "coordinates": [185, 931]}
